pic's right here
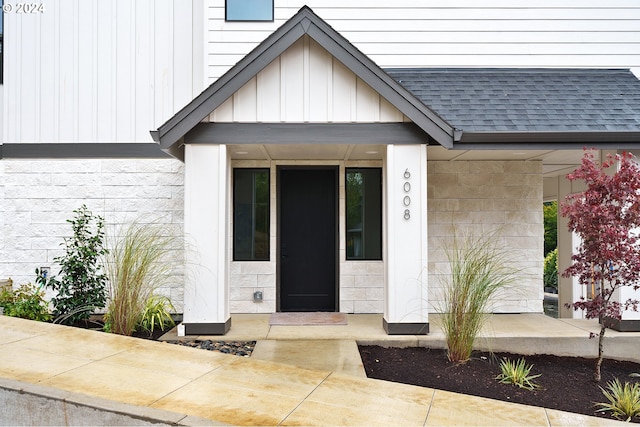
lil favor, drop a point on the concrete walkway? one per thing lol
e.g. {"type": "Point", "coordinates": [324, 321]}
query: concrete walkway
{"type": "Point", "coordinates": [51, 374]}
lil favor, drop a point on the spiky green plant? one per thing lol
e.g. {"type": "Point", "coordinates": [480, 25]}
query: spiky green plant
{"type": "Point", "coordinates": [623, 399]}
{"type": "Point", "coordinates": [156, 314]}
{"type": "Point", "coordinates": [479, 269]}
{"type": "Point", "coordinates": [517, 373]}
{"type": "Point", "coordinates": [140, 261]}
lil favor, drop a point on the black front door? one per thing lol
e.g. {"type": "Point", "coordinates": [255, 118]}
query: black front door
{"type": "Point", "coordinates": [307, 250]}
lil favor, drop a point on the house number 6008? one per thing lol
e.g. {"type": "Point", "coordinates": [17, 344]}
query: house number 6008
{"type": "Point", "coordinates": [406, 201]}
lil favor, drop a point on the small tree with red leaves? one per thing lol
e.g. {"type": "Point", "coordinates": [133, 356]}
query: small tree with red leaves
{"type": "Point", "coordinates": [606, 216]}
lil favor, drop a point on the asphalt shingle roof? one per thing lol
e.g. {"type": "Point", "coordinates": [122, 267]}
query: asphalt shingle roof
{"type": "Point", "coordinates": [528, 100]}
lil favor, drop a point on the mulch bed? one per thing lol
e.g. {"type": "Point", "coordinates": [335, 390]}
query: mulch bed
{"type": "Point", "coordinates": [567, 382]}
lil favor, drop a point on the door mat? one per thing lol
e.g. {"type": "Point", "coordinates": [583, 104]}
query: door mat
{"type": "Point", "coordinates": [302, 319]}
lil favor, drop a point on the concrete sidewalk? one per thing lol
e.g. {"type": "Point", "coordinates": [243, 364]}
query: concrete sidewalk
{"type": "Point", "coordinates": [518, 333]}
{"type": "Point", "coordinates": [51, 374]}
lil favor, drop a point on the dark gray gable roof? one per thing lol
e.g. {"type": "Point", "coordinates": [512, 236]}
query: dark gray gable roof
{"type": "Point", "coordinates": [304, 22]}
{"type": "Point", "coordinates": [531, 105]}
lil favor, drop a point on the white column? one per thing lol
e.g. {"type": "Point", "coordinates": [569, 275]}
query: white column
{"type": "Point", "coordinates": [406, 305]}
{"type": "Point", "coordinates": [206, 306]}
{"type": "Point", "coordinates": [630, 318]}
{"type": "Point", "coordinates": [569, 290]}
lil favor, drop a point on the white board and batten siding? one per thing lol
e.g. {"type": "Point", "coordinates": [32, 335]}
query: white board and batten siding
{"type": "Point", "coordinates": [306, 84]}
{"type": "Point", "coordinates": [454, 33]}
{"type": "Point", "coordinates": [100, 70]}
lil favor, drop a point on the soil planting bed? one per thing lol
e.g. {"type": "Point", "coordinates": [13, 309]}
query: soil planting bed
{"type": "Point", "coordinates": [566, 382]}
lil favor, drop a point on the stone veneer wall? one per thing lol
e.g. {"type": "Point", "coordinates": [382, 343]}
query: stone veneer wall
{"type": "Point", "coordinates": [474, 196]}
{"type": "Point", "coordinates": [38, 196]}
{"type": "Point", "coordinates": [478, 196]}
{"type": "Point", "coordinates": [361, 286]}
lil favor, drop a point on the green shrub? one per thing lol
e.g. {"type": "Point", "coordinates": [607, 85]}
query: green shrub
{"type": "Point", "coordinates": [157, 314]}
{"type": "Point", "coordinates": [82, 286]}
{"type": "Point", "coordinates": [550, 214]}
{"type": "Point", "coordinates": [139, 262]}
{"type": "Point", "coordinates": [479, 269]}
{"type": "Point", "coordinates": [26, 302]}
{"type": "Point", "coordinates": [624, 400]}
{"type": "Point", "coordinates": [551, 270]}
{"type": "Point", "coordinates": [517, 373]}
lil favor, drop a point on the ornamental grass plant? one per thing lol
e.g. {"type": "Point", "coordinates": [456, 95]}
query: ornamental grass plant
{"type": "Point", "coordinates": [623, 399]}
{"type": "Point", "coordinates": [139, 263]}
{"type": "Point", "coordinates": [517, 373]}
{"type": "Point", "coordinates": [156, 314]}
{"type": "Point", "coordinates": [479, 267]}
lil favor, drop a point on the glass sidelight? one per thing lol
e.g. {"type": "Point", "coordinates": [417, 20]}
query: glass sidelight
{"type": "Point", "coordinates": [251, 214]}
{"type": "Point", "coordinates": [364, 213]}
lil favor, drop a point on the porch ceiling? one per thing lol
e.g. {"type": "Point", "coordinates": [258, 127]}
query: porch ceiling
{"type": "Point", "coordinates": [555, 162]}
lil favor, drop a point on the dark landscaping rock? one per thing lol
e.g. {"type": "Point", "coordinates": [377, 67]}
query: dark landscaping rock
{"type": "Point", "coordinates": [236, 348]}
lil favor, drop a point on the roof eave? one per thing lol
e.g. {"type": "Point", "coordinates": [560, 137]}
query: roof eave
{"type": "Point", "coordinates": [536, 140]}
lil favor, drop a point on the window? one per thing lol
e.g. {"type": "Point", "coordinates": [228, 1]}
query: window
{"type": "Point", "coordinates": [249, 10]}
{"type": "Point", "coordinates": [251, 214]}
{"type": "Point", "coordinates": [364, 213]}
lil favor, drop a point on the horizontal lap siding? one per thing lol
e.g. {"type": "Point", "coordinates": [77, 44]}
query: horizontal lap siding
{"type": "Point", "coordinates": [456, 33]}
